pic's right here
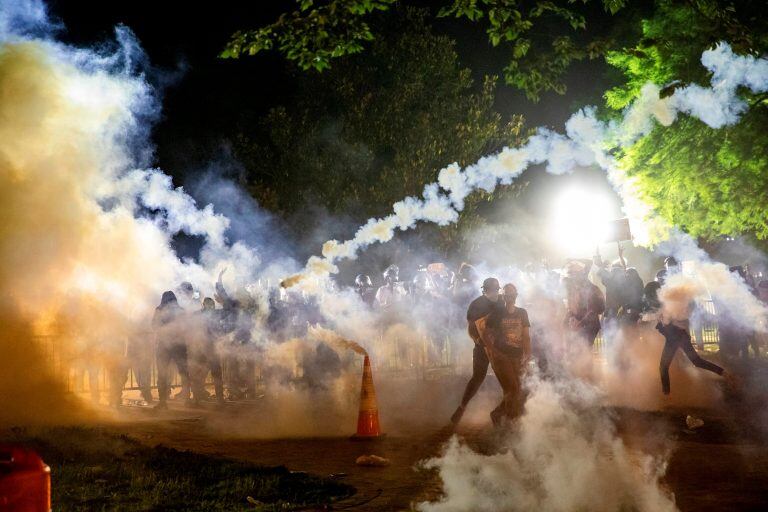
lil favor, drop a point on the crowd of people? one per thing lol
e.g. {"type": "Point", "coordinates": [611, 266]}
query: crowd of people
{"type": "Point", "coordinates": [202, 336]}
{"type": "Point", "coordinates": [501, 331]}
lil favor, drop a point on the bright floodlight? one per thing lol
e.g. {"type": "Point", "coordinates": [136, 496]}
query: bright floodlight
{"type": "Point", "coordinates": [580, 221]}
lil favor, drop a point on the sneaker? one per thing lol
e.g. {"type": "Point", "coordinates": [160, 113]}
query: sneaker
{"type": "Point", "coordinates": [456, 416]}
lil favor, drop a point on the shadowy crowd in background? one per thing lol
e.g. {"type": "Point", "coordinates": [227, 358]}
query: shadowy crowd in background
{"type": "Point", "coordinates": [214, 343]}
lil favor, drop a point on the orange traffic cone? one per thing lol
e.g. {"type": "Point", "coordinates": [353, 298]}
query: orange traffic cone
{"type": "Point", "coordinates": [368, 417]}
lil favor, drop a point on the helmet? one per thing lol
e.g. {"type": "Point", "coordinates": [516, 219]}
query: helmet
{"type": "Point", "coordinates": [168, 298]}
{"type": "Point", "coordinates": [392, 273]}
{"type": "Point", "coordinates": [363, 281]}
{"type": "Point", "coordinates": [670, 261]}
{"type": "Point", "coordinates": [187, 288]}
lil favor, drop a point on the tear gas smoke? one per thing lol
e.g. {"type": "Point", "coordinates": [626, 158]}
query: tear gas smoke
{"type": "Point", "coordinates": [562, 455]}
{"type": "Point", "coordinates": [586, 142]}
{"type": "Point", "coordinates": [82, 223]}
{"type": "Point", "coordinates": [678, 295]}
{"type": "Point", "coordinates": [334, 339]}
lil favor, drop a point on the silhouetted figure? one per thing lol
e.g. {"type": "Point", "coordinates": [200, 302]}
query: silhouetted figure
{"type": "Point", "coordinates": [676, 336]}
{"type": "Point", "coordinates": [171, 346]}
{"type": "Point", "coordinates": [203, 354]}
{"type": "Point", "coordinates": [365, 289]}
{"type": "Point", "coordinates": [585, 303]}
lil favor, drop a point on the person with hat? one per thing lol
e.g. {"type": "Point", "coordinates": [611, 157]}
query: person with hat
{"type": "Point", "coordinates": [478, 308]}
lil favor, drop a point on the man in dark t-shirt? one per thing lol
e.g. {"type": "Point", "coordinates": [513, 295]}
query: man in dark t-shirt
{"type": "Point", "coordinates": [506, 337]}
{"type": "Point", "coordinates": [478, 308]}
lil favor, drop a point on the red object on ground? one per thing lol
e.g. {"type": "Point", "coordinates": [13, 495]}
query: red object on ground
{"type": "Point", "coordinates": [25, 481]}
{"type": "Point", "coordinates": [368, 417]}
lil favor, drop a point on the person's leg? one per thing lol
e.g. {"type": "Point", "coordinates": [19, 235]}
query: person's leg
{"type": "Point", "coordinates": [143, 369]}
{"type": "Point", "coordinates": [479, 371]}
{"type": "Point", "coordinates": [697, 360]}
{"type": "Point", "coordinates": [514, 396]}
{"type": "Point", "coordinates": [507, 370]}
{"type": "Point", "coordinates": [198, 370]}
{"type": "Point", "coordinates": [667, 354]}
{"type": "Point", "coordinates": [214, 362]}
{"type": "Point", "coordinates": [163, 366]}
{"type": "Point", "coordinates": [118, 376]}
{"type": "Point", "coordinates": [179, 354]}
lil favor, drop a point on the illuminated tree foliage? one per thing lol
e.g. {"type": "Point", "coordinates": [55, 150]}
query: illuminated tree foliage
{"type": "Point", "coordinates": [543, 37]}
{"type": "Point", "coordinates": [315, 33]}
{"type": "Point", "coordinates": [375, 128]}
{"type": "Point", "coordinates": [710, 182]}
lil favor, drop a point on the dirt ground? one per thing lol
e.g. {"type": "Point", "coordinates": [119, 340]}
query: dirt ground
{"type": "Point", "coordinates": [720, 466]}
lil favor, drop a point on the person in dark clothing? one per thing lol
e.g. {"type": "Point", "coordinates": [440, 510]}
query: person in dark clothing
{"type": "Point", "coordinates": [478, 308]}
{"type": "Point", "coordinates": [585, 305]}
{"type": "Point", "coordinates": [671, 267]}
{"type": "Point", "coordinates": [139, 355]}
{"type": "Point", "coordinates": [203, 355]}
{"type": "Point", "coordinates": [615, 282]}
{"type": "Point", "coordinates": [171, 346]}
{"type": "Point", "coordinates": [632, 298]}
{"type": "Point", "coordinates": [651, 297]}
{"type": "Point", "coordinates": [465, 285]}
{"type": "Point", "coordinates": [676, 336]}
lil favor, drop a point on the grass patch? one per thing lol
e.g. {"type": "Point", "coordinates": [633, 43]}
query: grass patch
{"type": "Point", "coordinates": [92, 469]}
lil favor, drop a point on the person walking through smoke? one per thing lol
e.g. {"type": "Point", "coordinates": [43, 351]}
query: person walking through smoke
{"type": "Point", "coordinates": [478, 308]}
{"type": "Point", "coordinates": [585, 304]}
{"type": "Point", "coordinates": [676, 335]}
{"type": "Point", "coordinates": [203, 355]}
{"type": "Point", "coordinates": [506, 338]}
{"type": "Point", "coordinates": [171, 346]}
{"type": "Point", "coordinates": [615, 282]}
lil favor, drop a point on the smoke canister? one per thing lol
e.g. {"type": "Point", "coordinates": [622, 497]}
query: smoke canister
{"type": "Point", "coordinates": [25, 481]}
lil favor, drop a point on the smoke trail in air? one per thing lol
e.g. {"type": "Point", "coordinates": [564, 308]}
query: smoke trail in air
{"type": "Point", "coordinates": [586, 142]}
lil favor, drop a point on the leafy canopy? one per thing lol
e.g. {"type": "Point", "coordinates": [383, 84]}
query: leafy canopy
{"type": "Point", "coordinates": [710, 182]}
{"type": "Point", "coordinates": [544, 37]}
{"type": "Point", "coordinates": [376, 128]}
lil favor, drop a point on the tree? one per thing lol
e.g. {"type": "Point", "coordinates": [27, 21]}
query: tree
{"type": "Point", "coordinates": [709, 182]}
{"type": "Point", "coordinates": [376, 128]}
{"type": "Point", "coordinates": [543, 37]}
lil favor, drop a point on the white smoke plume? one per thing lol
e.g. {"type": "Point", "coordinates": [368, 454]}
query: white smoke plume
{"type": "Point", "coordinates": [562, 455]}
{"type": "Point", "coordinates": [87, 229]}
{"type": "Point", "coordinates": [586, 142]}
